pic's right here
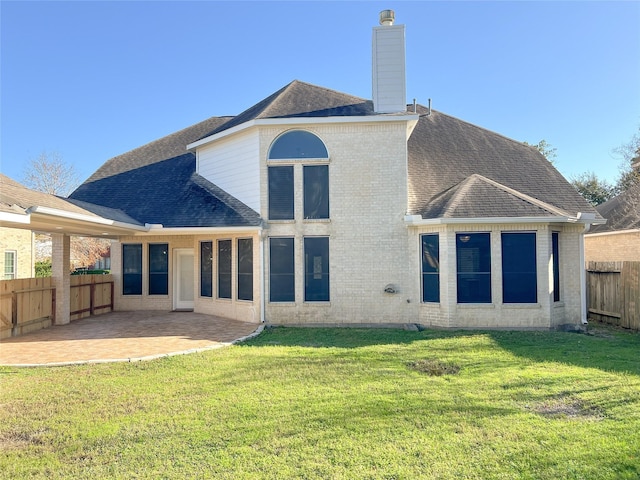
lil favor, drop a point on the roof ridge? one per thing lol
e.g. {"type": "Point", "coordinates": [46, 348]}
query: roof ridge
{"type": "Point", "coordinates": [460, 191]}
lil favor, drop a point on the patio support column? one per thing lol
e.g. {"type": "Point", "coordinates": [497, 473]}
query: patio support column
{"type": "Point", "coordinates": [60, 268]}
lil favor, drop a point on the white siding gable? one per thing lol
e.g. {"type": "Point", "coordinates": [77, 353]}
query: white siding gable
{"type": "Point", "coordinates": [233, 165]}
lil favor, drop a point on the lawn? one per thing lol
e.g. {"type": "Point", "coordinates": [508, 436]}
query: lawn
{"type": "Point", "coordinates": [338, 403]}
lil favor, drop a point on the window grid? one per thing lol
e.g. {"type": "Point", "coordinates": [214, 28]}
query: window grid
{"type": "Point", "coordinates": [10, 264]}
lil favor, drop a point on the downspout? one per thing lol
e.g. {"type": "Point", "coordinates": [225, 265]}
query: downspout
{"type": "Point", "coordinates": [583, 270]}
{"type": "Point", "coordinates": [583, 279]}
{"type": "Point", "coordinates": [262, 275]}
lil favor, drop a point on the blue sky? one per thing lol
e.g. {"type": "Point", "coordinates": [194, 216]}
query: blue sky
{"type": "Point", "coordinates": [91, 80]}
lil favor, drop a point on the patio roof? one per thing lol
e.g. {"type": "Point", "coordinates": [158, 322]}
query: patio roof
{"type": "Point", "coordinates": [23, 208]}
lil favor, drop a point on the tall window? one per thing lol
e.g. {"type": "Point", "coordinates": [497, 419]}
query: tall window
{"type": "Point", "coordinates": [316, 269]}
{"type": "Point", "coordinates": [430, 268]}
{"type": "Point", "coordinates": [555, 248]}
{"type": "Point", "coordinates": [132, 269]}
{"type": "Point", "coordinates": [206, 269]}
{"type": "Point", "coordinates": [473, 262]}
{"type": "Point", "coordinates": [281, 193]}
{"type": "Point", "coordinates": [281, 270]}
{"type": "Point", "coordinates": [316, 191]}
{"type": "Point", "coordinates": [158, 269]}
{"type": "Point", "coordinates": [245, 269]}
{"type": "Point", "coordinates": [224, 268]}
{"type": "Point", "coordinates": [519, 271]}
{"type": "Point", "coordinates": [10, 264]}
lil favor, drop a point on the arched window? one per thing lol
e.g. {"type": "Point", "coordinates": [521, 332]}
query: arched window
{"type": "Point", "coordinates": [297, 144]}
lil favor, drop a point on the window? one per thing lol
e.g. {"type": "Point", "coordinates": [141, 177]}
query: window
{"type": "Point", "coordinates": [519, 272]}
{"type": "Point", "coordinates": [245, 269]}
{"type": "Point", "coordinates": [206, 269]}
{"type": "Point", "coordinates": [281, 270]}
{"type": "Point", "coordinates": [316, 269]}
{"type": "Point", "coordinates": [297, 144]}
{"type": "Point", "coordinates": [281, 193]}
{"type": "Point", "coordinates": [430, 268]}
{"type": "Point", "coordinates": [473, 262]}
{"type": "Point", "coordinates": [10, 264]}
{"type": "Point", "coordinates": [316, 191]}
{"type": "Point", "coordinates": [132, 269]}
{"type": "Point", "coordinates": [224, 268]}
{"type": "Point", "coordinates": [555, 248]}
{"type": "Point", "coordinates": [158, 269]}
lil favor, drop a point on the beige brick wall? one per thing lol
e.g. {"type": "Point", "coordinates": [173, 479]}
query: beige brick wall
{"type": "Point", "coordinates": [21, 242]}
{"type": "Point", "coordinates": [613, 247]}
{"type": "Point", "coordinates": [229, 308]}
{"type": "Point", "coordinates": [542, 315]}
{"type": "Point", "coordinates": [370, 246]}
{"type": "Point", "coordinates": [368, 240]}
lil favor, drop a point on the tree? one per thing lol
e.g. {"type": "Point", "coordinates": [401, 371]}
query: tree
{"type": "Point", "coordinates": [630, 166]}
{"type": "Point", "coordinates": [49, 173]}
{"type": "Point", "coordinates": [594, 190]}
{"type": "Point", "coordinates": [549, 152]}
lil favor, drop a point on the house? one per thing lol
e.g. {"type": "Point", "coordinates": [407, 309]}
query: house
{"type": "Point", "coordinates": [17, 247]}
{"type": "Point", "coordinates": [619, 239]}
{"type": "Point", "coordinates": [319, 207]}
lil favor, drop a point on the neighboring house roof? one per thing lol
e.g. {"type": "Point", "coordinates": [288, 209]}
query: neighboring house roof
{"type": "Point", "coordinates": [455, 169]}
{"type": "Point", "coordinates": [157, 184]}
{"type": "Point", "coordinates": [622, 212]}
{"type": "Point", "coordinates": [444, 152]}
{"type": "Point", "coordinates": [16, 198]}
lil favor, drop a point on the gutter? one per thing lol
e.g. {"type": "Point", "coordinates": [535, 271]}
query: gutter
{"type": "Point", "coordinates": [582, 218]}
{"type": "Point", "coordinates": [81, 217]}
{"type": "Point", "coordinates": [158, 229]}
{"type": "Point", "coordinates": [305, 121]}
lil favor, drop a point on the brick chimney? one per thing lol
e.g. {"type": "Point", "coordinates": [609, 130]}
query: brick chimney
{"type": "Point", "coordinates": [389, 83]}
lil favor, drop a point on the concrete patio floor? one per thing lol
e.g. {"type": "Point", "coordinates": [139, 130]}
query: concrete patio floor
{"type": "Point", "coordinates": [123, 337]}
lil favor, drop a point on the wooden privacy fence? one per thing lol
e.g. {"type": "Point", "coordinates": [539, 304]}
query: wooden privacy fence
{"type": "Point", "coordinates": [29, 304]}
{"type": "Point", "coordinates": [613, 292]}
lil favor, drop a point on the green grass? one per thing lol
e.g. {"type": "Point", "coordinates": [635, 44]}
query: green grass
{"type": "Point", "coordinates": [338, 403]}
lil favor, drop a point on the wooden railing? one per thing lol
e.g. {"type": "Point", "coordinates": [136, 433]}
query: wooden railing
{"type": "Point", "coordinates": [29, 304]}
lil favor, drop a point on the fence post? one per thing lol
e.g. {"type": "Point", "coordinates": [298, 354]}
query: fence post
{"type": "Point", "coordinates": [92, 293]}
{"type": "Point", "coordinates": [53, 306]}
{"type": "Point", "coordinates": [14, 314]}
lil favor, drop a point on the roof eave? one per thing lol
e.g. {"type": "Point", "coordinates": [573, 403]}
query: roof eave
{"type": "Point", "coordinates": [412, 119]}
{"type": "Point", "coordinates": [170, 231]}
{"type": "Point", "coordinates": [417, 220]}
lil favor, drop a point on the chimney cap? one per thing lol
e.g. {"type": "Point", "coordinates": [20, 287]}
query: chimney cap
{"type": "Point", "coordinates": [387, 17]}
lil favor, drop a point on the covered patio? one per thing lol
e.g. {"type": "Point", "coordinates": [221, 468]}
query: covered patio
{"type": "Point", "coordinates": [124, 337]}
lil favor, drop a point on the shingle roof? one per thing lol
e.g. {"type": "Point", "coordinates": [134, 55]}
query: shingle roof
{"type": "Point", "coordinates": [622, 212]}
{"type": "Point", "coordinates": [16, 198]}
{"type": "Point", "coordinates": [454, 169]}
{"type": "Point", "coordinates": [157, 184]}
{"type": "Point", "coordinates": [300, 99]}
{"type": "Point", "coordinates": [477, 196]}
{"type": "Point", "coordinates": [445, 151]}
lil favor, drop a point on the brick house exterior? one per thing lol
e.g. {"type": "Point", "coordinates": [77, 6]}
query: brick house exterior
{"type": "Point", "coordinates": [619, 239]}
{"type": "Point", "coordinates": [17, 259]}
{"type": "Point", "coordinates": [317, 207]}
